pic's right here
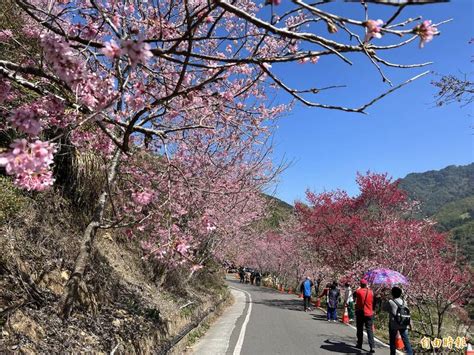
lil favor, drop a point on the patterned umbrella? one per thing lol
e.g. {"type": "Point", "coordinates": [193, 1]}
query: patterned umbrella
{"type": "Point", "coordinates": [385, 277]}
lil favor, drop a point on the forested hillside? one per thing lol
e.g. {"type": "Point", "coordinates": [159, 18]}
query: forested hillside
{"type": "Point", "coordinates": [278, 211]}
{"type": "Point", "coordinates": [436, 188]}
{"type": "Point", "coordinates": [458, 218]}
{"type": "Point", "coordinates": [447, 196]}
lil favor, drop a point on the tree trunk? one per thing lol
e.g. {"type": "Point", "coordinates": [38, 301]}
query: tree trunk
{"type": "Point", "coordinates": [75, 283]}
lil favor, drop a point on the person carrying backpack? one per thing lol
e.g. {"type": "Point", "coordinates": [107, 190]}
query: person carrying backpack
{"type": "Point", "coordinates": [399, 320]}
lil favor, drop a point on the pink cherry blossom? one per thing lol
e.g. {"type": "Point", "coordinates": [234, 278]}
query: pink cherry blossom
{"type": "Point", "coordinates": [426, 31]}
{"type": "Point", "coordinates": [142, 198]}
{"type": "Point", "coordinates": [313, 60]}
{"type": "Point", "coordinates": [5, 35]}
{"type": "Point", "coordinates": [30, 163]}
{"type": "Point", "coordinates": [90, 89]}
{"type": "Point", "coordinates": [111, 49]}
{"type": "Point", "coordinates": [182, 248]}
{"type": "Point", "coordinates": [303, 60]}
{"type": "Point", "coordinates": [135, 102]}
{"type": "Point", "coordinates": [96, 141]}
{"type": "Point", "coordinates": [197, 3]}
{"type": "Point", "coordinates": [196, 267]}
{"type": "Point", "coordinates": [137, 51]}
{"type": "Point", "coordinates": [210, 227]}
{"type": "Point", "coordinates": [26, 120]}
{"type": "Point", "coordinates": [5, 91]}
{"type": "Point", "coordinates": [374, 29]}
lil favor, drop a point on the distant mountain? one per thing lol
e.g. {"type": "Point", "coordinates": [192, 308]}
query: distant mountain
{"type": "Point", "coordinates": [435, 188]}
{"type": "Point", "coordinates": [447, 196]}
{"type": "Point", "coordinates": [278, 211]}
{"type": "Point", "coordinates": [458, 218]}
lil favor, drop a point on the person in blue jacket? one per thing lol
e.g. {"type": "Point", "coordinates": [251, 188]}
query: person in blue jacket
{"type": "Point", "coordinates": [305, 289]}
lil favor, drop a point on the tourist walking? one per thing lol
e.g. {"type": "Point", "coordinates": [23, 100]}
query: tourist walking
{"type": "Point", "coordinates": [305, 289]}
{"type": "Point", "coordinates": [317, 286]}
{"type": "Point", "coordinates": [241, 274]}
{"type": "Point", "coordinates": [333, 299]}
{"type": "Point", "coordinates": [364, 305]}
{"type": "Point", "coordinates": [325, 291]}
{"type": "Point", "coordinates": [349, 301]}
{"type": "Point", "coordinates": [399, 320]}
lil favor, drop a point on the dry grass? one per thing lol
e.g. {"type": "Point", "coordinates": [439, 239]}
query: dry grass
{"type": "Point", "coordinates": [134, 313]}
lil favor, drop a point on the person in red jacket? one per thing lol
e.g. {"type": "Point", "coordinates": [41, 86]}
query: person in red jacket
{"type": "Point", "coordinates": [364, 314]}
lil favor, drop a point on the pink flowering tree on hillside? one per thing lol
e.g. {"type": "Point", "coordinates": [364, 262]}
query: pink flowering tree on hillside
{"type": "Point", "coordinates": [376, 229]}
{"type": "Point", "coordinates": [285, 255]}
{"type": "Point", "coordinates": [190, 83]}
{"type": "Point", "coordinates": [349, 231]}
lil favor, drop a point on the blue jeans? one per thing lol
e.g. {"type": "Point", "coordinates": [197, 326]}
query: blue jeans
{"type": "Point", "coordinates": [332, 313]}
{"type": "Point", "coordinates": [406, 341]}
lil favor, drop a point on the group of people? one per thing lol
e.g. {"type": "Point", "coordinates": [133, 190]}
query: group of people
{"type": "Point", "coordinates": [363, 300]}
{"type": "Point", "coordinates": [253, 277]}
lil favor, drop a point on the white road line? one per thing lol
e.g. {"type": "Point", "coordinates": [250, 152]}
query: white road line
{"type": "Point", "coordinates": [378, 340]}
{"type": "Point", "coordinates": [375, 339]}
{"type": "Point", "coordinates": [365, 333]}
{"type": "Point", "coordinates": [217, 338]}
{"type": "Point", "coordinates": [240, 341]}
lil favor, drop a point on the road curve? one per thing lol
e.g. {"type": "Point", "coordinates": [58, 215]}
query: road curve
{"type": "Point", "coordinates": [264, 321]}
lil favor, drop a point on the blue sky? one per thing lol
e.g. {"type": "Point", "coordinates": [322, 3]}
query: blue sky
{"type": "Point", "coordinates": [403, 133]}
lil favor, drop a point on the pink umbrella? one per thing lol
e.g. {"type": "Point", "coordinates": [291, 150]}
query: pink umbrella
{"type": "Point", "coordinates": [385, 277]}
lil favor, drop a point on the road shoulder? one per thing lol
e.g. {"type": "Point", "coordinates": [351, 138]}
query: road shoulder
{"type": "Point", "coordinates": [218, 338]}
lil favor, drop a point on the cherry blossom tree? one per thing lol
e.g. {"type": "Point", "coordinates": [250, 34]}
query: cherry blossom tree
{"type": "Point", "coordinates": [376, 229]}
{"type": "Point", "coordinates": [189, 83]}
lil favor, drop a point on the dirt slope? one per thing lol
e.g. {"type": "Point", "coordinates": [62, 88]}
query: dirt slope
{"type": "Point", "coordinates": [127, 306]}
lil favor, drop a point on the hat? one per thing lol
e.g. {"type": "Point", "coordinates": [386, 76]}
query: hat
{"type": "Point", "coordinates": [363, 282]}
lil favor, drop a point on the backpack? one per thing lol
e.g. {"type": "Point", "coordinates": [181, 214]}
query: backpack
{"type": "Point", "coordinates": [402, 316]}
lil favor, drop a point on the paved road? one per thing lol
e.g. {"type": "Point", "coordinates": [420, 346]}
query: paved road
{"type": "Point", "coordinates": [264, 321]}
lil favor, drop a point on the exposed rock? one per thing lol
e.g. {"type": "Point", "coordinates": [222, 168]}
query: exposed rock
{"type": "Point", "coordinates": [55, 281]}
{"type": "Point", "coordinates": [19, 323]}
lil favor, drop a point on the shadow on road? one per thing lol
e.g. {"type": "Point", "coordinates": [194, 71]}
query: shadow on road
{"type": "Point", "coordinates": [292, 305]}
{"type": "Point", "coordinates": [320, 317]}
{"type": "Point", "coordinates": [249, 287]}
{"type": "Point", "coordinates": [340, 347]}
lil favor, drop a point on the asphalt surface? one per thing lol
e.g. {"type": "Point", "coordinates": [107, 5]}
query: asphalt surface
{"type": "Point", "coordinates": [265, 321]}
